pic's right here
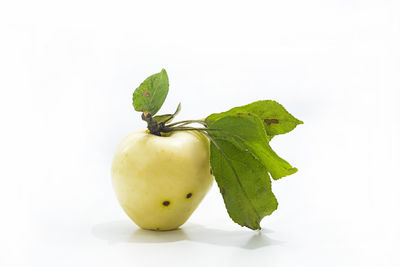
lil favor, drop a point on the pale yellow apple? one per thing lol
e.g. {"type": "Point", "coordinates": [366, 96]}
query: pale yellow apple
{"type": "Point", "coordinates": [160, 180]}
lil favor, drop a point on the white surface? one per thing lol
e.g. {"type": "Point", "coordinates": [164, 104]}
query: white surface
{"type": "Point", "coordinates": [68, 70]}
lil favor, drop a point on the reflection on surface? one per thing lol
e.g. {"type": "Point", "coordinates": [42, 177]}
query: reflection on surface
{"type": "Point", "coordinates": [126, 232]}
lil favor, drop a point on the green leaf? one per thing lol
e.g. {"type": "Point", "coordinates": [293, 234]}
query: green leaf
{"type": "Point", "coordinates": [151, 93]}
{"type": "Point", "coordinates": [241, 159]}
{"type": "Point", "coordinates": [247, 133]}
{"type": "Point", "coordinates": [167, 118]}
{"type": "Point", "coordinates": [244, 184]}
{"type": "Point", "coordinates": [276, 119]}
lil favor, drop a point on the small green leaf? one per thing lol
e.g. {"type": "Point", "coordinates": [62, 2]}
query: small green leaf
{"type": "Point", "coordinates": [243, 182]}
{"type": "Point", "coordinates": [151, 93]}
{"type": "Point", "coordinates": [276, 119]}
{"type": "Point", "coordinates": [167, 118]}
{"type": "Point", "coordinates": [247, 133]}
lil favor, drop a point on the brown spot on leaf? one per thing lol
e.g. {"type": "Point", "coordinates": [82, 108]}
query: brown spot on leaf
{"type": "Point", "coordinates": [261, 190]}
{"type": "Point", "coordinates": [239, 114]}
{"type": "Point", "coordinates": [271, 121]}
{"type": "Point", "coordinates": [145, 93]}
{"type": "Point", "coordinates": [249, 114]}
{"type": "Point", "coordinates": [223, 191]}
{"type": "Point", "coordinates": [211, 172]}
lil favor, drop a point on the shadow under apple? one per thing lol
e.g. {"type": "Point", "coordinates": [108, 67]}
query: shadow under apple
{"type": "Point", "coordinates": [126, 232]}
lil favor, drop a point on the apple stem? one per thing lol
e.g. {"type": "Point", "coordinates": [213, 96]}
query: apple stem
{"type": "Point", "coordinates": [158, 128]}
{"type": "Point", "coordinates": [152, 124]}
{"type": "Point", "coordinates": [173, 129]}
{"type": "Point", "coordinates": [181, 123]}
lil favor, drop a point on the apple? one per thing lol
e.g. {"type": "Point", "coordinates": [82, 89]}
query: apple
{"type": "Point", "coordinates": [160, 180]}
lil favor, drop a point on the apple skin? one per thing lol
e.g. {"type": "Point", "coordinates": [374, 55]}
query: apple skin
{"type": "Point", "coordinates": [160, 180]}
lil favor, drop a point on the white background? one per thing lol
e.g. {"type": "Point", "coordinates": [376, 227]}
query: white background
{"type": "Point", "coordinates": [67, 73]}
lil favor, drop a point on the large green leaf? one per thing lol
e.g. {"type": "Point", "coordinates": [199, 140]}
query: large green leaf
{"type": "Point", "coordinates": [241, 159]}
{"type": "Point", "coordinates": [243, 182]}
{"type": "Point", "coordinates": [247, 133]}
{"type": "Point", "coordinates": [151, 93]}
{"type": "Point", "coordinates": [276, 119]}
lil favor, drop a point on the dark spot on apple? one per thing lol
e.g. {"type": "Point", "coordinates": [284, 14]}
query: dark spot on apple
{"type": "Point", "coordinates": [211, 171]}
{"type": "Point", "coordinates": [189, 195]}
{"type": "Point", "coordinates": [166, 203]}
